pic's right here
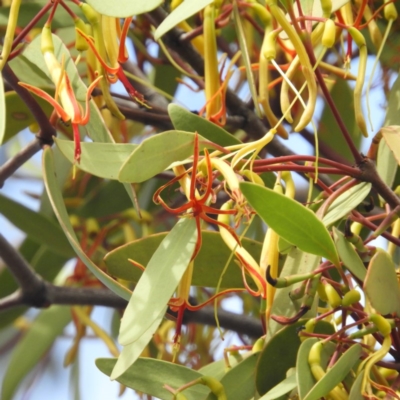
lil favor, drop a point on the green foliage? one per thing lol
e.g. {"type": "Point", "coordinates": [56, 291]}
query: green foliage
{"type": "Point", "coordinates": [232, 221]}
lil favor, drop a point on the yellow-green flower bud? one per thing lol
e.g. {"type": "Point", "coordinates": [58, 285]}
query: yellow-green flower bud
{"type": "Point", "coordinates": [334, 299]}
{"type": "Point", "coordinates": [381, 323]}
{"type": "Point", "coordinates": [329, 35]}
{"type": "Point", "coordinates": [351, 297]}
{"type": "Point", "coordinates": [390, 11]}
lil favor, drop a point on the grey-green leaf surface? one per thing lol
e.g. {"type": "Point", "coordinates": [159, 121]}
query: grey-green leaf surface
{"type": "Point", "coordinates": [386, 163]}
{"type": "Point", "coordinates": [208, 264]}
{"type": "Point", "coordinates": [132, 351]}
{"type": "Point", "coordinates": [19, 116]}
{"type": "Point", "coordinates": [346, 202]}
{"type": "Point", "coordinates": [286, 386]}
{"type": "Point", "coordinates": [391, 135]}
{"type": "Point", "coordinates": [181, 13]}
{"type": "Point", "coordinates": [305, 378]}
{"type": "Point", "coordinates": [239, 381]}
{"type": "Point", "coordinates": [356, 389]}
{"type": "Point", "coordinates": [149, 376]}
{"type": "Point", "coordinates": [335, 374]}
{"type": "Point", "coordinates": [272, 366]}
{"type": "Point", "coordinates": [289, 219]}
{"type": "Point", "coordinates": [349, 256]}
{"type": "Point", "coordinates": [159, 281]}
{"type": "Point", "coordinates": [32, 347]}
{"type": "Point", "coordinates": [156, 154]}
{"type": "Point", "coordinates": [123, 8]}
{"type": "Point", "coordinates": [381, 286]}
{"type": "Point", "coordinates": [184, 120]}
{"type": "Point", "coordinates": [57, 202]}
{"type": "Point", "coordinates": [100, 159]}
{"type": "Point", "coordinates": [37, 226]}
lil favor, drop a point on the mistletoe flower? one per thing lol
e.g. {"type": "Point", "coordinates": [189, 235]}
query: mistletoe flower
{"type": "Point", "coordinates": [68, 109]}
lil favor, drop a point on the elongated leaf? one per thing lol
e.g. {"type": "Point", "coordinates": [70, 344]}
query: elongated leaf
{"type": "Point", "coordinates": [239, 382]}
{"type": "Point", "coordinates": [208, 264]}
{"type": "Point", "coordinates": [349, 256]}
{"type": "Point", "coordinates": [2, 112]}
{"type": "Point", "coordinates": [346, 202]}
{"type": "Point", "coordinates": [386, 163]}
{"type": "Point", "coordinates": [156, 154]}
{"type": "Point", "coordinates": [381, 286]}
{"type": "Point", "coordinates": [272, 367]}
{"type": "Point", "coordinates": [391, 134]}
{"type": "Point", "coordinates": [295, 223]}
{"type": "Point", "coordinates": [328, 130]}
{"type": "Point", "coordinates": [184, 120]}
{"type": "Point", "coordinates": [123, 8]}
{"type": "Point", "coordinates": [31, 348]}
{"type": "Point", "coordinates": [181, 13]}
{"type": "Point", "coordinates": [149, 376]}
{"type": "Point", "coordinates": [159, 281]}
{"type": "Point", "coordinates": [37, 226]}
{"type": "Point", "coordinates": [100, 159]}
{"type": "Point", "coordinates": [305, 378]}
{"type": "Point", "coordinates": [19, 116]}
{"type": "Point", "coordinates": [131, 352]}
{"type": "Point", "coordinates": [281, 389]}
{"type": "Point", "coordinates": [60, 211]}
{"type": "Point", "coordinates": [336, 374]}
{"type": "Point", "coordinates": [356, 389]}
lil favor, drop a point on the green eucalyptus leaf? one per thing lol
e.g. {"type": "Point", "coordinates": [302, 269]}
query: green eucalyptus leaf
{"type": "Point", "coordinates": [109, 197]}
{"type": "Point", "coordinates": [19, 116]}
{"type": "Point", "coordinates": [349, 256]}
{"type": "Point", "coordinates": [131, 352]}
{"type": "Point", "coordinates": [184, 120]}
{"type": "Point", "coordinates": [386, 162]}
{"type": "Point", "coordinates": [328, 130]}
{"type": "Point", "coordinates": [305, 378]}
{"type": "Point", "coordinates": [159, 280]}
{"type": "Point", "coordinates": [286, 386]}
{"type": "Point", "coordinates": [123, 8]}
{"type": "Point", "coordinates": [289, 219]}
{"type": "Point", "coordinates": [346, 202]}
{"type": "Point", "coordinates": [57, 202]}
{"type": "Point", "coordinates": [37, 226]}
{"type": "Point", "coordinates": [33, 346]}
{"type": "Point", "coordinates": [208, 264]}
{"type": "Point", "coordinates": [100, 159]}
{"type": "Point", "coordinates": [181, 13]}
{"type": "Point", "coordinates": [239, 382]}
{"type": "Point", "coordinates": [356, 389]}
{"type": "Point", "coordinates": [156, 154]}
{"type": "Point", "coordinates": [336, 374]}
{"type": "Point", "coordinates": [272, 366]}
{"type": "Point", "coordinates": [381, 286]}
{"type": "Point", "coordinates": [149, 376]}
{"type": "Point", "coordinates": [391, 135]}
